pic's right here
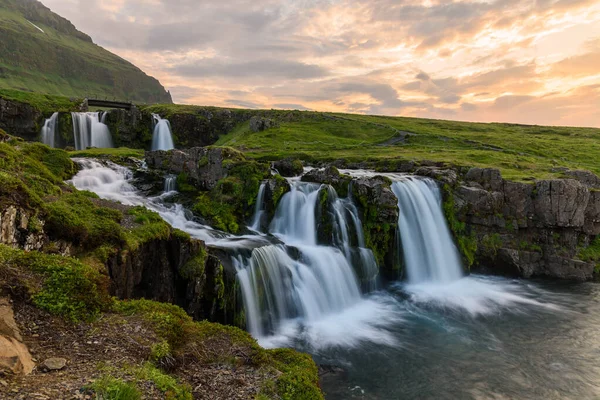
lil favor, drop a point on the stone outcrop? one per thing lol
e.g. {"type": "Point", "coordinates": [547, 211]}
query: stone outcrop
{"type": "Point", "coordinates": [202, 166]}
{"type": "Point", "coordinates": [15, 358]}
{"type": "Point", "coordinates": [329, 176]}
{"type": "Point", "coordinates": [20, 119]}
{"type": "Point", "coordinates": [177, 271]}
{"type": "Point", "coordinates": [259, 124]}
{"type": "Point", "coordinates": [530, 229]}
{"type": "Point", "coordinates": [21, 228]}
{"type": "Point", "coordinates": [289, 167]}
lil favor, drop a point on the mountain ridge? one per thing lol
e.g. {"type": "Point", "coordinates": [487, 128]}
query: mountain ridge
{"type": "Point", "coordinates": [41, 51]}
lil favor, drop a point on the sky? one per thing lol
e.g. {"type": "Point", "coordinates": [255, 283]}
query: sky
{"type": "Point", "coordinates": [521, 61]}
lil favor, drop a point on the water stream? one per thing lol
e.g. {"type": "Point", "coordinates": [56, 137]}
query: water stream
{"type": "Point", "coordinates": [438, 335]}
{"type": "Point", "coordinates": [162, 138]}
{"type": "Point", "coordinates": [49, 130]}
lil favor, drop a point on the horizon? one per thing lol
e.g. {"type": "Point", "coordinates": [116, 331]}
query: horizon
{"type": "Point", "coordinates": [506, 61]}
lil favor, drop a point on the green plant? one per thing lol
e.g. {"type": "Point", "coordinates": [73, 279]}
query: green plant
{"type": "Point", "coordinates": [110, 388]}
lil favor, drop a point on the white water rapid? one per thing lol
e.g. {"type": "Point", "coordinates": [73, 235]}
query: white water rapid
{"type": "Point", "coordinates": [89, 130]}
{"type": "Point", "coordinates": [162, 138]}
{"type": "Point", "coordinates": [309, 281]}
{"type": "Point", "coordinates": [49, 130]}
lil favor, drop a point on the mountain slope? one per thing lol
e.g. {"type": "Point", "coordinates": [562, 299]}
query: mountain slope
{"type": "Point", "coordinates": [43, 52]}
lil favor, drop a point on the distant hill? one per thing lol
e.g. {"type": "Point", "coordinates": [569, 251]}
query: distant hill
{"type": "Point", "coordinates": [43, 52]}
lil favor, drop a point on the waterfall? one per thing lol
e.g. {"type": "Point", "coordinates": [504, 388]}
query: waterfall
{"type": "Point", "coordinates": [259, 208]}
{"type": "Point", "coordinates": [49, 130]}
{"type": "Point", "coordinates": [295, 218]}
{"type": "Point", "coordinates": [300, 280]}
{"type": "Point", "coordinates": [170, 183]}
{"type": "Point", "coordinates": [162, 139]}
{"type": "Point", "coordinates": [429, 252]}
{"type": "Point", "coordinates": [89, 130]}
{"type": "Point", "coordinates": [278, 288]}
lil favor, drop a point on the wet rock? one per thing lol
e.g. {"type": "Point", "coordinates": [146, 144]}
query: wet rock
{"type": "Point", "coordinates": [289, 167]}
{"type": "Point", "coordinates": [54, 364]}
{"type": "Point", "coordinates": [329, 176]}
{"type": "Point", "coordinates": [202, 166]}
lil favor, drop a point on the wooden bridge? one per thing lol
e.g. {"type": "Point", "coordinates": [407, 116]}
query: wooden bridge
{"type": "Point", "coordinates": [109, 104]}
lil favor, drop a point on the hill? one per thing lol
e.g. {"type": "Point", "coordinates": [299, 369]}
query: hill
{"type": "Point", "coordinates": [43, 52]}
{"type": "Point", "coordinates": [521, 152]}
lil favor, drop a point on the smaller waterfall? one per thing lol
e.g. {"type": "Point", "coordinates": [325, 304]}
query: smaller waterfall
{"type": "Point", "coordinates": [49, 130]}
{"type": "Point", "coordinates": [295, 218]}
{"type": "Point", "coordinates": [170, 183]}
{"type": "Point", "coordinates": [348, 236]}
{"type": "Point", "coordinates": [89, 130]}
{"type": "Point", "coordinates": [162, 139]}
{"type": "Point", "coordinates": [259, 208]}
{"type": "Point", "coordinates": [429, 252]}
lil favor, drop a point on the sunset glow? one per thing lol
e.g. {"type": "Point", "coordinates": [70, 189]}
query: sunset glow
{"type": "Point", "coordinates": [507, 60]}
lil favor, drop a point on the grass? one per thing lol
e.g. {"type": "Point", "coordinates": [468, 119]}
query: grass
{"type": "Point", "coordinates": [121, 152]}
{"type": "Point", "coordinates": [520, 152]}
{"type": "Point", "coordinates": [42, 102]}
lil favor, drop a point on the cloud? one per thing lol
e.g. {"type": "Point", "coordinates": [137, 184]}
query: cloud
{"type": "Point", "coordinates": [272, 69]}
{"type": "Point", "coordinates": [499, 60]}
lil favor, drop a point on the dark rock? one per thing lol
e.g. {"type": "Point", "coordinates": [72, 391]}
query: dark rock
{"type": "Point", "coordinates": [289, 167]}
{"type": "Point", "coordinates": [488, 178]}
{"type": "Point", "coordinates": [259, 124]}
{"type": "Point", "coordinates": [329, 176]}
{"type": "Point", "coordinates": [20, 119]}
{"type": "Point", "coordinates": [202, 166]}
{"type": "Point", "coordinates": [587, 178]}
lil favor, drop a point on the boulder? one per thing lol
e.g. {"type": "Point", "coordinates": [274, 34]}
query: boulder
{"type": "Point", "coordinates": [289, 167]}
{"type": "Point", "coordinates": [329, 176]}
{"type": "Point", "coordinates": [15, 358]}
{"type": "Point", "coordinates": [259, 124]}
{"type": "Point", "coordinates": [54, 364]}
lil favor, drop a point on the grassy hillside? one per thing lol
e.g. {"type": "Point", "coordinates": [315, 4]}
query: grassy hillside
{"type": "Point", "coordinates": [58, 59]}
{"type": "Point", "coordinates": [519, 151]}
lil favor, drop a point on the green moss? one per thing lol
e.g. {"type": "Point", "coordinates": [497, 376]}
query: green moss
{"type": "Point", "coordinates": [111, 388]}
{"type": "Point", "coordinates": [152, 227]}
{"type": "Point", "coordinates": [66, 286]}
{"type": "Point", "coordinates": [184, 185]}
{"type": "Point", "coordinates": [75, 218]}
{"type": "Point", "coordinates": [231, 202]}
{"type": "Point", "coordinates": [195, 267]}
{"type": "Point", "coordinates": [465, 241]}
{"type": "Point", "coordinates": [591, 253]}
{"type": "Point", "coordinates": [490, 244]}
{"type": "Point", "coordinates": [299, 380]}
{"type": "Point", "coordinates": [281, 188]}
{"type": "Point", "coordinates": [171, 388]}
{"type": "Point", "coordinates": [115, 155]}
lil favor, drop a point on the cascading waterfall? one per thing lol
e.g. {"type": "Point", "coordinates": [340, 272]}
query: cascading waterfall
{"type": "Point", "coordinates": [49, 130]}
{"type": "Point", "coordinates": [429, 252]}
{"type": "Point", "coordinates": [162, 139]}
{"type": "Point", "coordinates": [346, 226]}
{"type": "Point", "coordinates": [89, 130]}
{"type": "Point", "coordinates": [170, 183]}
{"type": "Point", "coordinates": [300, 281]}
{"type": "Point", "coordinates": [259, 209]}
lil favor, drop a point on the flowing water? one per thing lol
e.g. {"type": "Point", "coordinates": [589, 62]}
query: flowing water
{"type": "Point", "coordinates": [439, 335]}
{"type": "Point", "coordinates": [90, 130]}
{"type": "Point", "coordinates": [49, 130]}
{"type": "Point", "coordinates": [162, 138]}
